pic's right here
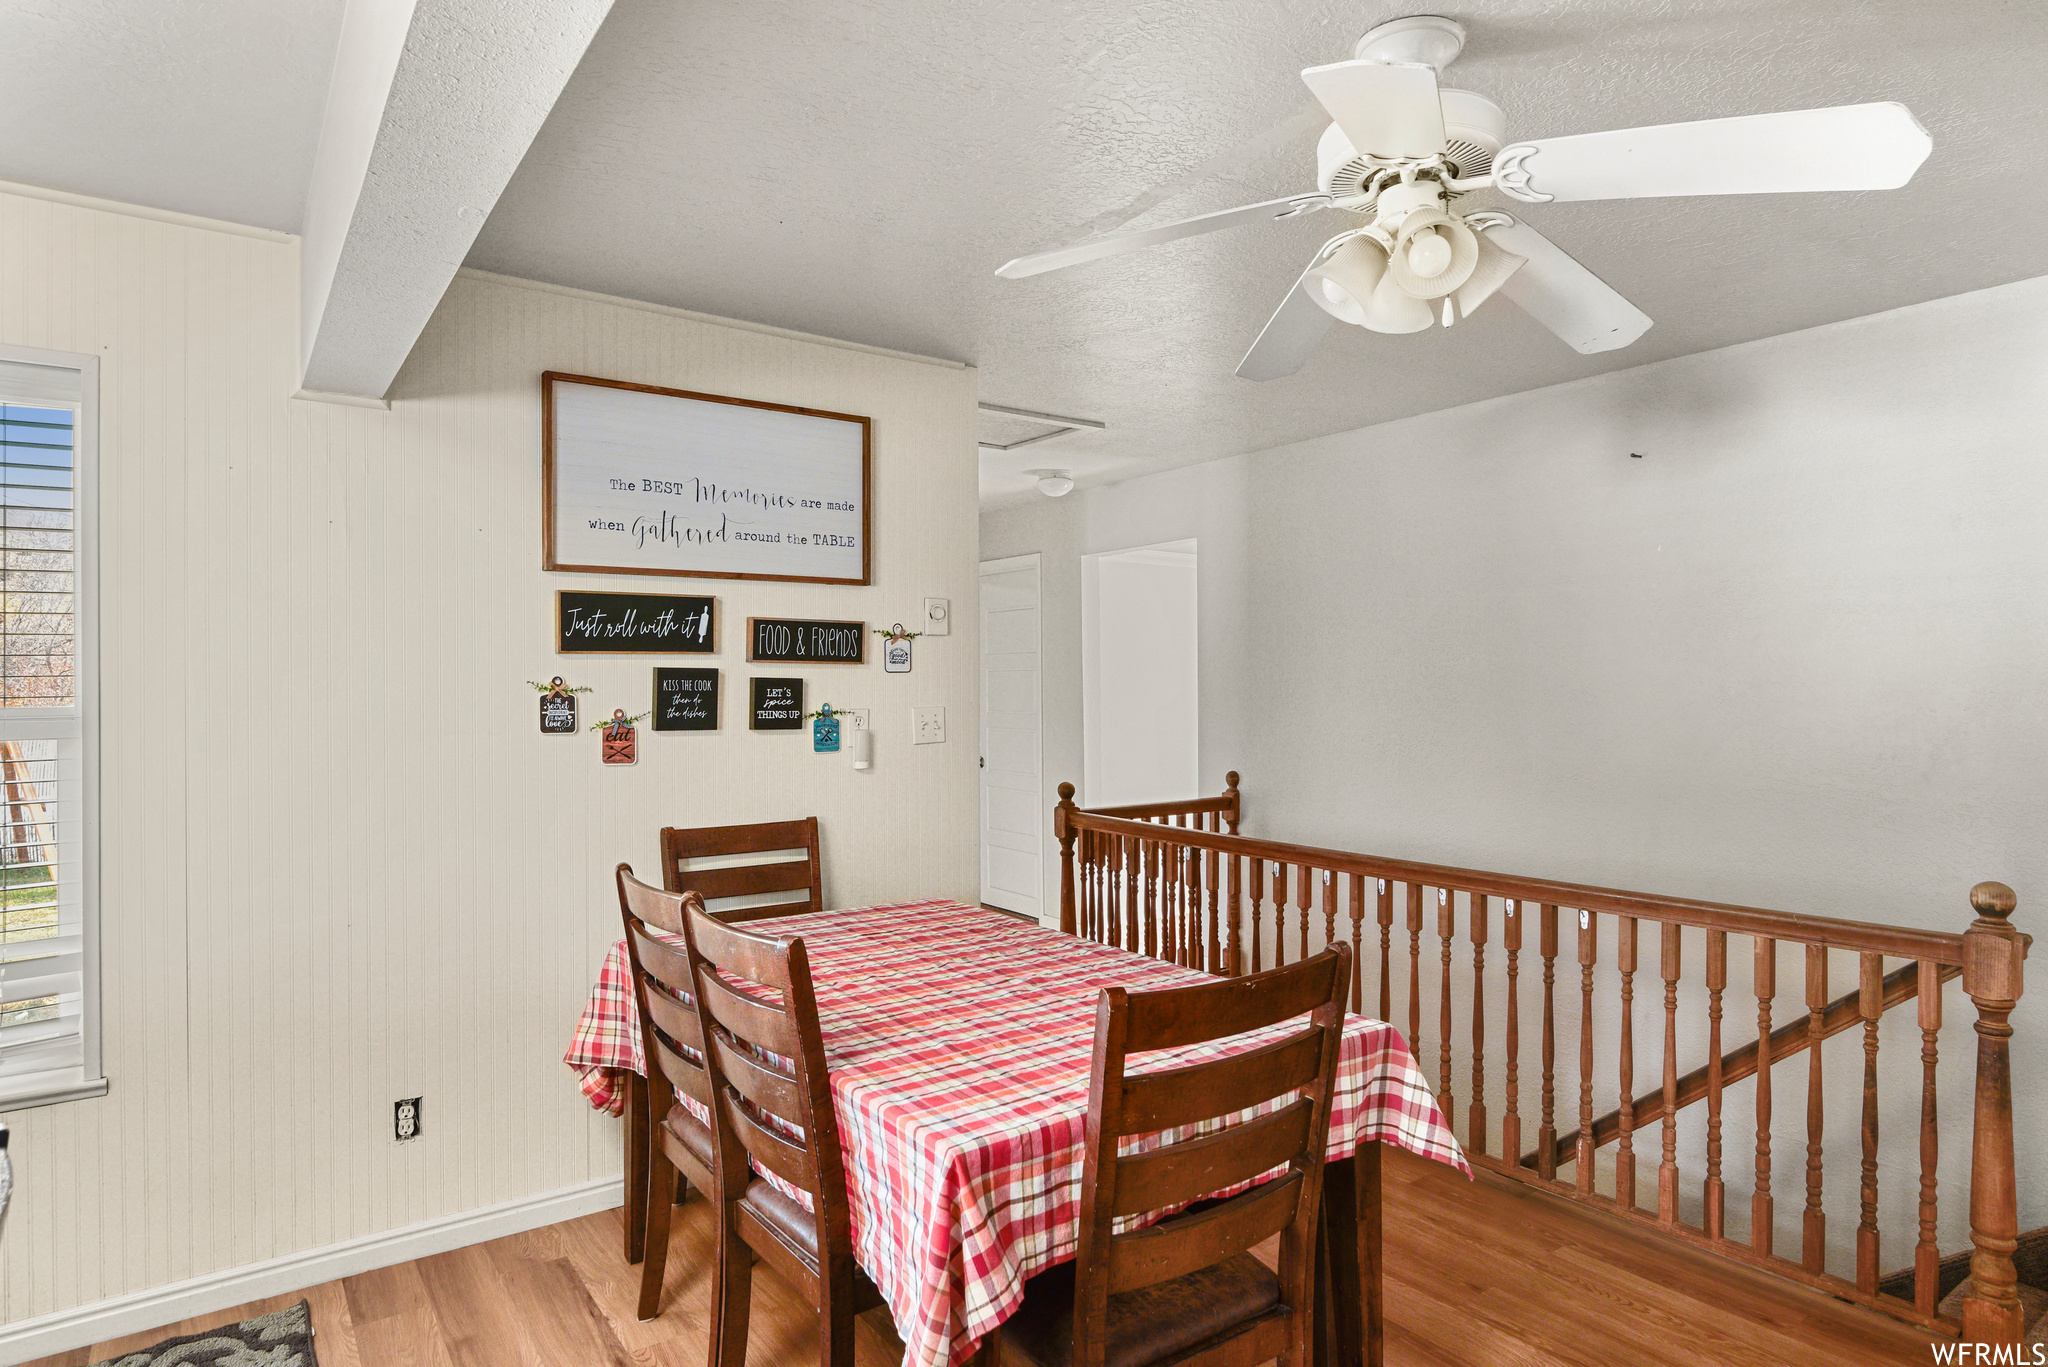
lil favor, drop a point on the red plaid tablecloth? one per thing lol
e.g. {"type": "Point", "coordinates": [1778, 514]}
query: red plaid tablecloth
{"type": "Point", "coordinates": [960, 1043]}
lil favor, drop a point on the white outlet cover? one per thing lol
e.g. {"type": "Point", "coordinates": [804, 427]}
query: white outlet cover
{"type": "Point", "coordinates": [927, 725]}
{"type": "Point", "coordinates": [853, 718]}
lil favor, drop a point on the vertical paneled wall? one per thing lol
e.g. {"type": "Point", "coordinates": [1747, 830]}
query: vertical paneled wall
{"type": "Point", "coordinates": [341, 864]}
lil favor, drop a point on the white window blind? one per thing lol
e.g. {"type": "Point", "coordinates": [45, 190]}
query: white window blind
{"type": "Point", "coordinates": [48, 802]}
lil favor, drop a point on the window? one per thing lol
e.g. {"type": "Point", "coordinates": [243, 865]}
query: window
{"type": "Point", "coordinates": [49, 802]}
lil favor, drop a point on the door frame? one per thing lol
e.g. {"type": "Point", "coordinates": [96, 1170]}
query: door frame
{"type": "Point", "coordinates": [1031, 560]}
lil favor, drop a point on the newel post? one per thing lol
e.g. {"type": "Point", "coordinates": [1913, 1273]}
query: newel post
{"type": "Point", "coordinates": [1063, 827]}
{"type": "Point", "coordinates": [1992, 955]}
{"type": "Point", "coordinates": [1236, 803]}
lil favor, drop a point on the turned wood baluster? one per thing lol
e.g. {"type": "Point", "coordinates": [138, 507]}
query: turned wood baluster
{"type": "Point", "coordinates": [1415, 971]}
{"type": "Point", "coordinates": [1870, 1006]}
{"type": "Point", "coordinates": [1256, 875]}
{"type": "Point", "coordinates": [1625, 1146]}
{"type": "Point", "coordinates": [1546, 1131]}
{"type": "Point", "coordinates": [1717, 983]}
{"type": "Point", "coordinates": [1766, 979]}
{"type": "Point", "coordinates": [1993, 956]}
{"type": "Point", "coordinates": [1667, 1171]}
{"type": "Point", "coordinates": [1236, 914]}
{"type": "Point", "coordinates": [1446, 930]}
{"type": "Point", "coordinates": [1357, 963]}
{"type": "Point", "coordinates": [1926, 1255]}
{"type": "Point", "coordinates": [1589, 947]}
{"type": "Point", "coordinates": [1330, 912]}
{"type": "Point", "coordinates": [1215, 939]}
{"type": "Point", "coordinates": [1279, 915]}
{"type": "Point", "coordinates": [1304, 899]}
{"type": "Point", "coordinates": [1386, 919]}
{"type": "Point", "coordinates": [1475, 1120]}
{"type": "Point", "coordinates": [1151, 875]}
{"type": "Point", "coordinates": [1133, 894]}
{"type": "Point", "coordinates": [1511, 1123]}
{"type": "Point", "coordinates": [1814, 1244]}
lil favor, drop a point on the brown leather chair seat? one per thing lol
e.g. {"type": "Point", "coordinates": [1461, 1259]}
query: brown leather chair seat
{"type": "Point", "coordinates": [1151, 1324]}
{"type": "Point", "coordinates": [786, 1219]}
{"type": "Point", "coordinates": [693, 1134]}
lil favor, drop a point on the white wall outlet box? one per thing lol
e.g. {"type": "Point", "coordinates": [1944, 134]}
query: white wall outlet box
{"type": "Point", "coordinates": [852, 718]}
{"type": "Point", "coordinates": [928, 725]}
{"type": "Point", "coordinates": [938, 617]}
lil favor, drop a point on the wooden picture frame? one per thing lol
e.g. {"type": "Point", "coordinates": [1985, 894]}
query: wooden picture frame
{"type": "Point", "coordinates": [796, 639]}
{"type": "Point", "coordinates": [656, 605]}
{"type": "Point", "coordinates": [626, 489]}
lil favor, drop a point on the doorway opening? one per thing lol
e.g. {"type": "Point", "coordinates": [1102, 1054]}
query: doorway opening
{"type": "Point", "coordinates": [1140, 675]}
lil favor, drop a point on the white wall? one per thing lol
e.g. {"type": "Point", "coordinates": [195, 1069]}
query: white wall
{"type": "Point", "coordinates": [1792, 657]}
{"type": "Point", "coordinates": [1141, 681]}
{"type": "Point", "coordinates": [342, 866]}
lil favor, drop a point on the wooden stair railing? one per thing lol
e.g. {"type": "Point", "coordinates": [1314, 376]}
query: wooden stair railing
{"type": "Point", "coordinates": [1902, 985]}
{"type": "Point", "coordinates": [1169, 880]}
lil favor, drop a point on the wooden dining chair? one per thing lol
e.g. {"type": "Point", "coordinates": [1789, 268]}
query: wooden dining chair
{"type": "Point", "coordinates": [677, 1145]}
{"type": "Point", "coordinates": [765, 1056]}
{"type": "Point", "coordinates": [797, 885]}
{"type": "Point", "coordinates": [1187, 1289]}
{"type": "Point", "coordinates": [702, 859]}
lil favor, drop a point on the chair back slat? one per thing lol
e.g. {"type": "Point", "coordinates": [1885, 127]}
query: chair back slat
{"type": "Point", "coordinates": [801, 874]}
{"type": "Point", "coordinates": [1178, 1016]}
{"type": "Point", "coordinates": [1288, 1140]}
{"type": "Point", "coordinates": [748, 880]}
{"type": "Point", "coordinates": [769, 1090]}
{"type": "Point", "coordinates": [675, 1017]}
{"type": "Point", "coordinates": [1163, 1252]}
{"type": "Point", "coordinates": [1173, 1097]}
{"type": "Point", "coordinates": [1183, 1172]}
{"type": "Point", "coordinates": [684, 1073]}
{"type": "Point", "coordinates": [663, 960]}
{"type": "Point", "coordinates": [769, 1150]}
{"type": "Point", "coordinates": [756, 1022]}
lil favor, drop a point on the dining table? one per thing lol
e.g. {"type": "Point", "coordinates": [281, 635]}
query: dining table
{"type": "Point", "coordinates": [959, 1042]}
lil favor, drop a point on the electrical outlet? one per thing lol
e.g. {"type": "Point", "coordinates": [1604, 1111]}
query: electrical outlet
{"type": "Point", "coordinates": [405, 1119]}
{"type": "Point", "coordinates": [852, 718]}
{"type": "Point", "coordinates": [927, 725]}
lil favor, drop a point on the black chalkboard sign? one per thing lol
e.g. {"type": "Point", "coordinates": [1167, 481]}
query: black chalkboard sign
{"type": "Point", "coordinates": [791, 640]}
{"type": "Point", "coordinates": [634, 624]}
{"type": "Point", "coordinates": [685, 699]}
{"type": "Point", "coordinates": [778, 704]}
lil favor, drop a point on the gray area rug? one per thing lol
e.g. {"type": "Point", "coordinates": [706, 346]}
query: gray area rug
{"type": "Point", "coordinates": [281, 1339]}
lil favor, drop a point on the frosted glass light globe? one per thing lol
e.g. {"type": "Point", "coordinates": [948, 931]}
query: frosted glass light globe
{"type": "Point", "coordinates": [1429, 254]}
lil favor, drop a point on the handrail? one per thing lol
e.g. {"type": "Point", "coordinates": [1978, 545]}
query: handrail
{"type": "Point", "coordinates": [1867, 937]}
{"type": "Point", "coordinates": [1165, 879]}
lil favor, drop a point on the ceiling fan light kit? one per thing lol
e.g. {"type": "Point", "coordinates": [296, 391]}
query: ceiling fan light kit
{"type": "Point", "coordinates": [1407, 156]}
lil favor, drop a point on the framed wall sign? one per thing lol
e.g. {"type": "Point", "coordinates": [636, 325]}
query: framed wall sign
{"type": "Point", "coordinates": [685, 699]}
{"type": "Point", "coordinates": [778, 705]}
{"type": "Point", "coordinates": [642, 480]}
{"type": "Point", "coordinates": [789, 640]}
{"type": "Point", "coordinates": [634, 624]}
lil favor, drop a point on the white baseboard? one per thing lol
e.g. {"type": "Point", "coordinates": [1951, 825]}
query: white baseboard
{"type": "Point", "coordinates": [44, 1335]}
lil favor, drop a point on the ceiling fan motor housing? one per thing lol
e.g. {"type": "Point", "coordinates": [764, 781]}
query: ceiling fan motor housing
{"type": "Point", "coordinates": [1475, 129]}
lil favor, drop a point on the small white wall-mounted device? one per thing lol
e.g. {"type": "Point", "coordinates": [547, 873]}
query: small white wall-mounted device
{"type": "Point", "coordinates": [938, 617]}
{"type": "Point", "coordinates": [928, 725]}
{"type": "Point", "coordinates": [863, 747]}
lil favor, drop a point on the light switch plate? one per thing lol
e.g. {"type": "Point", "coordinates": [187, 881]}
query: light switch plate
{"type": "Point", "coordinates": [927, 725]}
{"type": "Point", "coordinates": [938, 617]}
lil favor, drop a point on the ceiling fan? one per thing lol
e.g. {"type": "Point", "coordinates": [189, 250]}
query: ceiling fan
{"type": "Point", "coordinates": [1407, 156]}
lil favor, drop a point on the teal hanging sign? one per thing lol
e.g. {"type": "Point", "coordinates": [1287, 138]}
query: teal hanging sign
{"type": "Point", "coordinates": [824, 730]}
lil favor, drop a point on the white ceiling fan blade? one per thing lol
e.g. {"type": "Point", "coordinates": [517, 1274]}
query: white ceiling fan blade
{"type": "Point", "coordinates": [1564, 296]}
{"type": "Point", "coordinates": [1116, 244]}
{"type": "Point", "coordinates": [1389, 109]}
{"type": "Point", "coordinates": [1288, 337]}
{"type": "Point", "coordinates": [1850, 147]}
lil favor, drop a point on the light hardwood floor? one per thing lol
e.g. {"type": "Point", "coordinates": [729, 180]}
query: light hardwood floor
{"type": "Point", "coordinates": [1479, 1274]}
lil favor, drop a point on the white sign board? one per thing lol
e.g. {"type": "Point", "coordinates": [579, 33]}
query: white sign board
{"type": "Point", "coordinates": [639, 480]}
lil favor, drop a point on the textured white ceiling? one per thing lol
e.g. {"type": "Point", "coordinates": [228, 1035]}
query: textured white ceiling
{"type": "Point", "coordinates": [859, 169]}
{"type": "Point", "coordinates": [204, 106]}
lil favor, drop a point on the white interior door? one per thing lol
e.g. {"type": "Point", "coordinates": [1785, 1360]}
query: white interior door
{"type": "Point", "coordinates": [1012, 791]}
